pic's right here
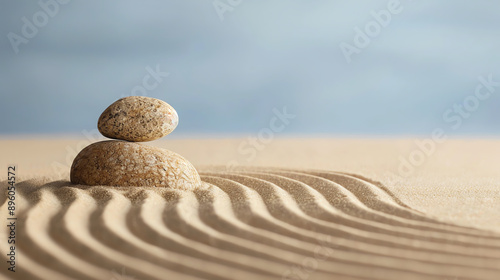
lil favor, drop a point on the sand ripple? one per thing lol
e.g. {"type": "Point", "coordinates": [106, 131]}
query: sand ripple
{"type": "Point", "coordinates": [245, 224]}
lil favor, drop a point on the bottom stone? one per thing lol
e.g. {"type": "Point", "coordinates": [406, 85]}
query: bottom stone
{"type": "Point", "coordinates": [123, 164]}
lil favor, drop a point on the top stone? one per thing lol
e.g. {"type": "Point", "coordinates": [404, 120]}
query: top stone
{"type": "Point", "coordinates": [138, 119]}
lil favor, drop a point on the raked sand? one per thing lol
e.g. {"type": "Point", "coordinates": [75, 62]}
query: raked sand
{"type": "Point", "coordinates": [287, 209]}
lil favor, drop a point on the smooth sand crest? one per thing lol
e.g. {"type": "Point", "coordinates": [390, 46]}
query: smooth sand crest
{"type": "Point", "coordinates": [248, 223]}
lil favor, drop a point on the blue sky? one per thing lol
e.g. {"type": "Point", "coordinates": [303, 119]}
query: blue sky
{"type": "Point", "coordinates": [226, 75]}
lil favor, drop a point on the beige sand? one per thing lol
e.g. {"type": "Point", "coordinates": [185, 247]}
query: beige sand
{"type": "Point", "coordinates": [301, 209]}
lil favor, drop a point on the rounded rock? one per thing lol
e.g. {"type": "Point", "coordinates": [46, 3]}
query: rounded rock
{"type": "Point", "coordinates": [138, 119]}
{"type": "Point", "coordinates": [125, 164]}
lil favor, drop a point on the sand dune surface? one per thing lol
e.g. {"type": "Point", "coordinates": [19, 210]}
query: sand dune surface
{"type": "Point", "coordinates": [247, 223]}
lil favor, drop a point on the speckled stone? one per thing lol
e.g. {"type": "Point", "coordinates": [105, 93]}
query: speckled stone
{"type": "Point", "coordinates": [120, 163]}
{"type": "Point", "coordinates": [138, 119]}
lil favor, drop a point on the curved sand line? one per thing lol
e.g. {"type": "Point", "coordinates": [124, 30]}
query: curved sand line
{"type": "Point", "coordinates": [284, 206]}
{"type": "Point", "coordinates": [245, 224]}
{"type": "Point", "coordinates": [258, 216]}
{"type": "Point", "coordinates": [322, 209]}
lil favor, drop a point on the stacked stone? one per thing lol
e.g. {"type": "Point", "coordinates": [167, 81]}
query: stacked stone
{"type": "Point", "coordinates": [124, 162]}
